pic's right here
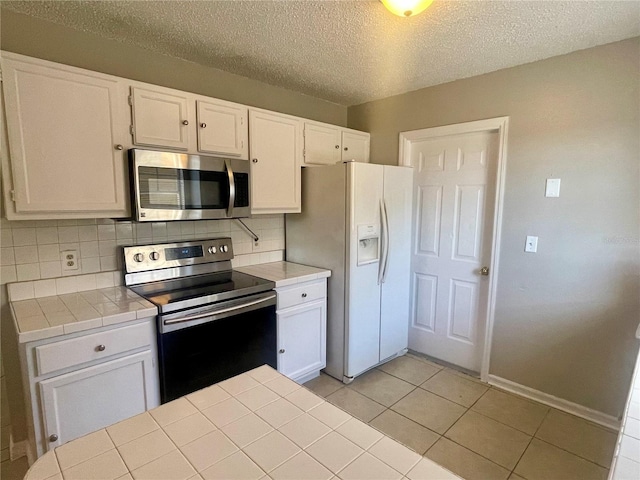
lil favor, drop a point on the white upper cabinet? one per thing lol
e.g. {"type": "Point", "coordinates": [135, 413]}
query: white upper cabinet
{"type": "Point", "coordinates": [355, 146]}
{"type": "Point", "coordinates": [321, 144]}
{"type": "Point", "coordinates": [175, 120]}
{"type": "Point", "coordinates": [222, 128]}
{"type": "Point", "coordinates": [160, 118]}
{"type": "Point", "coordinates": [66, 134]}
{"type": "Point", "coordinates": [276, 156]}
{"type": "Point", "coordinates": [326, 144]}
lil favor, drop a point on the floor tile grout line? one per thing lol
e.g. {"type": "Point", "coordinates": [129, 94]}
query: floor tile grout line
{"type": "Point", "coordinates": [408, 393]}
{"type": "Point", "coordinates": [529, 444]}
{"type": "Point", "coordinates": [472, 451]}
{"type": "Point", "coordinates": [571, 453]}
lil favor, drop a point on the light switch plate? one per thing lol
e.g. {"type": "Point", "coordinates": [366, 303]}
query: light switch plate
{"type": "Point", "coordinates": [553, 187]}
{"type": "Point", "coordinates": [531, 245]}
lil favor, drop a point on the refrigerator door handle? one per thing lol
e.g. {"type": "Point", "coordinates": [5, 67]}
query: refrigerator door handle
{"type": "Point", "coordinates": [384, 236]}
{"type": "Point", "coordinates": [383, 244]}
{"type": "Point", "coordinates": [386, 241]}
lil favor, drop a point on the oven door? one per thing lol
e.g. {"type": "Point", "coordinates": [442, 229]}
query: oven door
{"type": "Point", "coordinates": [173, 186]}
{"type": "Point", "coordinates": [200, 347]}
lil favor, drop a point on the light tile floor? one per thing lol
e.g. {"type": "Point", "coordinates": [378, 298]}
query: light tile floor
{"type": "Point", "coordinates": [475, 430]}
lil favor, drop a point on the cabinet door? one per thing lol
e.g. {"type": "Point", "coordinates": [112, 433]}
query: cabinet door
{"type": "Point", "coordinates": [222, 129]}
{"type": "Point", "coordinates": [302, 339]}
{"type": "Point", "coordinates": [355, 146]}
{"type": "Point", "coordinates": [86, 400]}
{"type": "Point", "coordinates": [160, 119]}
{"type": "Point", "coordinates": [276, 154]}
{"type": "Point", "coordinates": [65, 128]}
{"type": "Point", "coordinates": [321, 144]}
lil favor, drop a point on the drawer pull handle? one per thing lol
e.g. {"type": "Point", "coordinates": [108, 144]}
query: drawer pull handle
{"type": "Point", "coordinates": [100, 348]}
{"type": "Point", "coordinates": [282, 350]}
{"type": "Point", "coordinates": [304, 295]}
{"type": "Point", "coordinates": [53, 437]}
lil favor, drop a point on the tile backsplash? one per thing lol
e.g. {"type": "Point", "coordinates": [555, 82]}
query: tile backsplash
{"type": "Point", "coordinates": [31, 250]}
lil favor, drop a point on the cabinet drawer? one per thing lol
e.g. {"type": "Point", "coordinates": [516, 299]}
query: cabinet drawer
{"type": "Point", "coordinates": [79, 350]}
{"type": "Point", "coordinates": [302, 293]}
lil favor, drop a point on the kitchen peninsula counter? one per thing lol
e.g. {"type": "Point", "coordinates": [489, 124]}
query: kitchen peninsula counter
{"type": "Point", "coordinates": [257, 425]}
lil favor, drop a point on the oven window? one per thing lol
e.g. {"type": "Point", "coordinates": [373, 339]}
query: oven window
{"type": "Point", "coordinates": [177, 189]}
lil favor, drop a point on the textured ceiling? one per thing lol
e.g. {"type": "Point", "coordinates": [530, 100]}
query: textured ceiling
{"type": "Point", "coordinates": [350, 52]}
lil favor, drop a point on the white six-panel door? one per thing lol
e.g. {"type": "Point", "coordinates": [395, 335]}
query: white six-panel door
{"type": "Point", "coordinates": [454, 191]}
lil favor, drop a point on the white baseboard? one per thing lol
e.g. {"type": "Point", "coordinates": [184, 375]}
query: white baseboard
{"type": "Point", "coordinates": [17, 449]}
{"type": "Point", "coordinates": [555, 402]}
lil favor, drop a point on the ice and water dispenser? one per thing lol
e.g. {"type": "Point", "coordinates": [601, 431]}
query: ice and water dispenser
{"type": "Point", "coordinates": [368, 244]}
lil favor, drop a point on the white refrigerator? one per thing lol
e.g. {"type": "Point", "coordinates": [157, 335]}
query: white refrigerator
{"type": "Point", "coordinates": [356, 221]}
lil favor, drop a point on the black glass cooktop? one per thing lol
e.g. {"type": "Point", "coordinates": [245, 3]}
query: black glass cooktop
{"type": "Point", "coordinates": [188, 292]}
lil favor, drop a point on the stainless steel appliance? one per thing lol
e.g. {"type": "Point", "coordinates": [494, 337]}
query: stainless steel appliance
{"type": "Point", "coordinates": [213, 322]}
{"type": "Point", "coordinates": [175, 186]}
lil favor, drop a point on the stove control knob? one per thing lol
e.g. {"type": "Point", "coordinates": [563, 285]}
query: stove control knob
{"type": "Point", "coordinates": [154, 255]}
{"type": "Point", "coordinates": [212, 250]}
{"type": "Point", "coordinates": [138, 257]}
{"type": "Point", "coordinates": [225, 248]}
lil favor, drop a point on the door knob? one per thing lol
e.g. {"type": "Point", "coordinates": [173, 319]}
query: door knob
{"type": "Point", "coordinates": [484, 271]}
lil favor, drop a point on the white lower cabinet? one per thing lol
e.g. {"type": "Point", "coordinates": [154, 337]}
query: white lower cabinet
{"type": "Point", "coordinates": [93, 379]}
{"type": "Point", "coordinates": [92, 398]}
{"type": "Point", "coordinates": [302, 329]}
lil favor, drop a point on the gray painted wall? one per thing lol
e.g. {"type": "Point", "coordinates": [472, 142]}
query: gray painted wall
{"type": "Point", "coordinates": [566, 316]}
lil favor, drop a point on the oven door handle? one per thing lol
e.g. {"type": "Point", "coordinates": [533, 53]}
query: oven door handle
{"type": "Point", "coordinates": [232, 188]}
{"type": "Point", "coordinates": [210, 313]}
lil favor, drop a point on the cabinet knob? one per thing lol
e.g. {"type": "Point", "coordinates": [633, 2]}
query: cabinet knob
{"type": "Point", "coordinates": [203, 125]}
{"type": "Point", "coordinates": [119, 147]}
{"type": "Point", "coordinates": [185, 122]}
{"type": "Point", "coordinates": [53, 437]}
{"type": "Point", "coordinates": [304, 295]}
{"type": "Point", "coordinates": [282, 350]}
{"type": "Point", "coordinates": [254, 160]}
{"type": "Point", "coordinates": [337, 146]}
{"type": "Point", "coordinates": [346, 148]}
{"type": "Point", "coordinates": [100, 348]}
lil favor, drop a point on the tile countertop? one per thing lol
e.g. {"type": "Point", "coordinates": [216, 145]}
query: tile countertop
{"type": "Point", "coordinates": [257, 425]}
{"type": "Point", "coordinates": [285, 273]}
{"type": "Point", "coordinates": [46, 317]}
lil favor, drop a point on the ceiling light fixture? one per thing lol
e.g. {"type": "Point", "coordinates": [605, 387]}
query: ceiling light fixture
{"type": "Point", "coordinates": [406, 8]}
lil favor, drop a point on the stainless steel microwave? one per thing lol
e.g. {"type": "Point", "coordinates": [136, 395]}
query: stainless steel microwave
{"type": "Point", "coordinates": [168, 186]}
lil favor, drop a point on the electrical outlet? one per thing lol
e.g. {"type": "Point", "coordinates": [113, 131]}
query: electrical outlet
{"type": "Point", "coordinates": [69, 260]}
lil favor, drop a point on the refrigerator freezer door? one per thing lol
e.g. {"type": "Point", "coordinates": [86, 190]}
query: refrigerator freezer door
{"type": "Point", "coordinates": [365, 187]}
{"type": "Point", "coordinates": [394, 307]}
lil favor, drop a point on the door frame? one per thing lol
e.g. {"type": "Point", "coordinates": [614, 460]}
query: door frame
{"type": "Point", "coordinates": [501, 126]}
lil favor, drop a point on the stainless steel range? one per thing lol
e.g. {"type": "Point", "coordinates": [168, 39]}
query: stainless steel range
{"type": "Point", "coordinates": [213, 322]}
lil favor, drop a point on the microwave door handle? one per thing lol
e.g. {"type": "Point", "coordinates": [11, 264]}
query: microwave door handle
{"type": "Point", "coordinates": [232, 188]}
